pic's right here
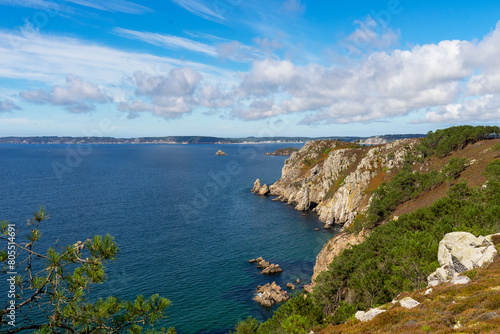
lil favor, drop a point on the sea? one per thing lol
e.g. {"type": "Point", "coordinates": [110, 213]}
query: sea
{"type": "Point", "coordinates": [184, 219]}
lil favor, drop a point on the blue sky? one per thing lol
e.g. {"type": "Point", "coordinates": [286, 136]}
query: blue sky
{"type": "Point", "coordinates": [235, 68]}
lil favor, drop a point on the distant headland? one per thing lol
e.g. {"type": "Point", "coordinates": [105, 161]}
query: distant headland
{"type": "Point", "coordinates": [198, 140]}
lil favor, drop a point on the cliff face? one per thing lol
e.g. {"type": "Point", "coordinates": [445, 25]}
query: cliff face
{"type": "Point", "coordinates": [335, 179]}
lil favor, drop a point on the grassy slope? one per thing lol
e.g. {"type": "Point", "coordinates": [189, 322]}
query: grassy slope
{"type": "Point", "coordinates": [471, 308]}
{"type": "Point", "coordinates": [473, 175]}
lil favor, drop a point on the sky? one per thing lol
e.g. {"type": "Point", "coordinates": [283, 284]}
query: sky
{"type": "Point", "coordinates": [234, 68]}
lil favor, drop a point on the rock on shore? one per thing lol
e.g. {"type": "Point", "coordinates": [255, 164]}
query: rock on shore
{"type": "Point", "coordinates": [260, 190]}
{"type": "Point", "coordinates": [332, 177]}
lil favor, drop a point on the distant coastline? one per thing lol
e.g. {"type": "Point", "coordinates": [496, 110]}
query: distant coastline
{"type": "Point", "coordinates": [196, 140]}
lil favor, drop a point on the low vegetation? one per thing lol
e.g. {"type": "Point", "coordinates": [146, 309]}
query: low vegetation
{"type": "Point", "coordinates": [399, 254]}
{"type": "Point", "coordinates": [472, 308]}
{"type": "Point", "coordinates": [442, 142]}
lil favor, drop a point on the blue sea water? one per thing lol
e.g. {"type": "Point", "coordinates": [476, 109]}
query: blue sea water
{"type": "Point", "coordinates": [184, 219]}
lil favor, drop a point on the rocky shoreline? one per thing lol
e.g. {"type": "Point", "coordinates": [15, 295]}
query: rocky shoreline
{"type": "Point", "coordinates": [333, 179]}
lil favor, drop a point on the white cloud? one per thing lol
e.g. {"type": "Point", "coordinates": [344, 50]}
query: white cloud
{"type": "Point", "coordinates": [382, 85]}
{"type": "Point", "coordinates": [46, 59]}
{"type": "Point", "coordinates": [267, 46]}
{"type": "Point", "coordinates": [78, 96]}
{"type": "Point", "coordinates": [167, 41]}
{"type": "Point", "coordinates": [368, 36]}
{"type": "Point", "coordinates": [200, 9]}
{"type": "Point", "coordinates": [268, 76]}
{"type": "Point", "coordinates": [171, 95]}
{"type": "Point", "coordinates": [121, 6]}
{"type": "Point", "coordinates": [8, 105]}
{"type": "Point", "coordinates": [293, 6]}
{"type": "Point", "coordinates": [58, 7]}
{"type": "Point", "coordinates": [483, 109]}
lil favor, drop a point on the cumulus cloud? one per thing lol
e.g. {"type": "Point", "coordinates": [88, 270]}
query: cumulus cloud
{"type": "Point", "coordinates": [481, 109]}
{"type": "Point", "coordinates": [268, 76]}
{"type": "Point", "coordinates": [78, 96]}
{"type": "Point", "coordinates": [171, 95]}
{"type": "Point", "coordinates": [8, 105]}
{"type": "Point", "coordinates": [381, 85]}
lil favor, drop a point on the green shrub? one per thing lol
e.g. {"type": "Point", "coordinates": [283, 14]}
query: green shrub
{"type": "Point", "coordinates": [296, 306]}
{"type": "Point", "coordinates": [249, 326]}
{"type": "Point", "coordinates": [454, 167]}
{"type": "Point", "coordinates": [399, 255]}
{"type": "Point", "coordinates": [442, 142]}
{"type": "Point", "coordinates": [344, 312]}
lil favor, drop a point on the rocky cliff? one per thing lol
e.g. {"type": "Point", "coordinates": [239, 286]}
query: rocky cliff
{"type": "Point", "coordinates": [335, 179]}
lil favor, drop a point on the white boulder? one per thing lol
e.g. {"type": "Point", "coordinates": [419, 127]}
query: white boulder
{"type": "Point", "coordinates": [408, 303]}
{"type": "Point", "coordinates": [368, 315]}
{"type": "Point", "coordinates": [459, 252]}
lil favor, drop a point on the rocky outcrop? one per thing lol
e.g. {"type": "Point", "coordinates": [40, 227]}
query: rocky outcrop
{"type": "Point", "coordinates": [260, 190]}
{"type": "Point", "coordinates": [256, 186]}
{"type": "Point", "coordinates": [283, 151]}
{"type": "Point", "coordinates": [270, 294]}
{"type": "Point", "coordinates": [459, 252]}
{"type": "Point", "coordinates": [220, 152]}
{"type": "Point", "coordinates": [267, 267]}
{"type": "Point", "coordinates": [332, 179]}
{"type": "Point", "coordinates": [334, 247]}
{"type": "Point", "coordinates": [330, 250]}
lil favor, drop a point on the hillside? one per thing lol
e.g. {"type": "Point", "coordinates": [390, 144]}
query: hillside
{"type": "Point", "coordinates": [472, 308]}
{"type": "Point", "coordinates": [192, 139]}
{"type": "Point", "coordinates": [395, 202]}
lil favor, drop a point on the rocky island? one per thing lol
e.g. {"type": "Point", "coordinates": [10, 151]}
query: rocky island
{"type": "Point", "coordinates": [269, 294]}
{"type": "Point", "coordinates": [220, 152]}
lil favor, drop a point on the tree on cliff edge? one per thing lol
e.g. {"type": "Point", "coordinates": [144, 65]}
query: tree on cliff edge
{"type": "Point", "coordinates": [49, 292]}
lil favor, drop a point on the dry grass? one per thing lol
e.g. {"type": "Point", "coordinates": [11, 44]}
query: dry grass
{"type": "Point", "coordinates": [470, 308]}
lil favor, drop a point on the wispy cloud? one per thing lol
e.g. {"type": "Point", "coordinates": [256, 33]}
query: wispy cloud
{"type": "Point", "coordinates": [200, 9]}
{"type": "Point", "coordinates": [121, 6]}
{"type": "Point", "coordinates": [167, 41]}
{"type": "Point", "coordinates": [46, 59]}
{"type": "Point", "coordinates": [293, 6]}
